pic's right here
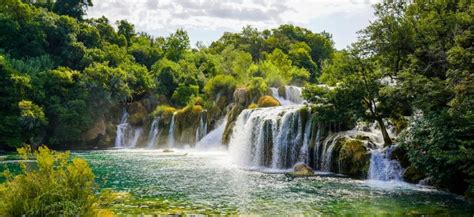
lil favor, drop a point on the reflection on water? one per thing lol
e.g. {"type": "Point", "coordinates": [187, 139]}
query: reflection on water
{"type": "Point", "coordinates": [188, 181]}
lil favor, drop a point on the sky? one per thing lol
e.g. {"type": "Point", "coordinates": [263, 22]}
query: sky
{"type": "Point", "coordinates": [207, 20]}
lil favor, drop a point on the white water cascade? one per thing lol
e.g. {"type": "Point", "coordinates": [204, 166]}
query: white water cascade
{"type": "Point", "coordinates": [213, 139]}
{"type": "Point", "coordinates": [383, 168]}
{"type": "Point", "coordinates": [154, 133]}
{"type": "Point", "coordinates": [170, 141]}
{"type": "Point", "coordinates": [201, 131]}
{"type": "Point", "coordinates": [134, 140]}
{"type": "Point", "coordinates": [269, 137]}
{"type": "Point", "coordinates": [126, 136]}
{"type": "Point", "coordinates": [122, 131]}
{"type": "Point", "coordinates": [292, 95]}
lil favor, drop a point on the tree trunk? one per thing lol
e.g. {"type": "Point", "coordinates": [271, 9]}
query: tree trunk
{"type": "Point", "coordinates": [386, 137]}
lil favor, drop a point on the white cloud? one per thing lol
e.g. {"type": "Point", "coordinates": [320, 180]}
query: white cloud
{"type": "Point", "coordinates": [160, 17]}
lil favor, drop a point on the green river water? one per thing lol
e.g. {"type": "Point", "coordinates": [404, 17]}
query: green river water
{"type": "Point", "coordinates": [192, 182]}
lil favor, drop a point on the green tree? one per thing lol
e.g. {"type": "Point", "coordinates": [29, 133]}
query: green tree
{"type": "Point", "coordinates": [72, 8]}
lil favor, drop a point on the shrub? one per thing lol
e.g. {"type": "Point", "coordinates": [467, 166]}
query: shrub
{"type": "Point", "coordinates": [252, 106]}
{"type": "Point", "coordinates": [268, 101]}
{"type": "Point", "coordinates": [163, 110]}
{"type": "Point", "coordinates": [54, 185]}
{"type": "Point", "coordinates": [221, 84]}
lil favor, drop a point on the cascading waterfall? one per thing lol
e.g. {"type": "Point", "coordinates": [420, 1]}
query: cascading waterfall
{"type": "Point", "coordinates": [136, 135]}
{"type": "Point", "coordinates": [328, 148]}
{"type": "Point", "coordinates": [171, 132]}
{"type": "Point", "coordinates": [269, 137]}
{"type": "Point", "coordinates": [154, 133]}
{"type": "Point", "coordinates": [214, 138]}
{"type": "Point", "coordinates": [292, 95]}
{"type": "Point", "coordinates": [383, 168]}
{"type": "Point", "coordinates": [201, 131]}
{"type": "Point", "coordinates": [122, 131]}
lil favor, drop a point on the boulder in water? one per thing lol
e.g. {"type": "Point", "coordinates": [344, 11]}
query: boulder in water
{"type": "Point", "coordinates": [268, 101]}
{"type": "Point", "coordinates": [168, 151]}
{"type": "Point", "coordinates": [302, 169]}
{"type": "Point", "coordinates": [353, 158]}
{"type": "Point", "coordinates": [413, 175]}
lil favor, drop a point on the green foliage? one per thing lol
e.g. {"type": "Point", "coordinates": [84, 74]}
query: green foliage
{"type": "Point", "coordinates": [53, 185]}
{"type": "Point", "coordinates": [442, 146]}
{"type": "Point", "coordinates": [184, 93]}
{"type": "Point", "coordinates": [221, 84]}
{"type": "Point", "coordinates": [73, 8]}
{"type": "Point", "coordinates": [163, 110]}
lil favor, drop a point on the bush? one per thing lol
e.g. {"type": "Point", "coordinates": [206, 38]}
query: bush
{"type": "Point", "coordinates": [54, 185]}
{"type": "Point", "coordinates": [221, 84]}
{"type": "Point", "coordinates": [268, 101]}
{"type": "Point", "coordinates": [184, 93]}
{"type": "Point", "coordinates": [163, 110]}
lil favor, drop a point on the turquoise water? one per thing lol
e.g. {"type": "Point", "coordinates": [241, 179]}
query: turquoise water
{"type": "Point", "coordinates": [189, 182]}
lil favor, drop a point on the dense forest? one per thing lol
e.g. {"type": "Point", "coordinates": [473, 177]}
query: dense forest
{"type": "Point", "coordinates": [412, 66]}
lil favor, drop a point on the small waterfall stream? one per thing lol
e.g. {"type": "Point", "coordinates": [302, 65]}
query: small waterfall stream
{"type": "Point", "coordinates": [171, 140]}
{"type": "Point", "coordinates": [201, 131]}
{"type": "Point", "coordinates": [383, 168]}
{"type": "Point", "coordinates": [214, 138]}
{"type": "Point", "coordinates": [292, 95]}
{"type": "Point", "coordinates": [122, 131]}
{"type": "Point", "coordinates": [154, 133]}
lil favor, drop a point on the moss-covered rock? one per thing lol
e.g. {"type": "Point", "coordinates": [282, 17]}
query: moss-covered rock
{"type": "Point", "coordinates": [302, 169]}
{"type": "Point", "coordinates": [164, 110]}
{"type": "Point", "coordinates": [138, 114]}
{"type": "Point", "coordinates": [186, 123]}
{"type": "Point", "coordinates": [282, 91]}
{"type": "Point", "coordinates": [98, 129]}
{"type": "Point", "coordinates": [413, 175]}
{"type": "Point", "coordinates": [252, 106]}
{"type": "Point", "coordinates": [354, 158]}
{"type": "Point", "coordinates": [231, 118]}
{"type": "Point", "coordinates": [267, 101]}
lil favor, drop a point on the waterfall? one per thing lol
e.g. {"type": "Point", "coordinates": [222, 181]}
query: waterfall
{"type": "Point", "coordinates": [327, 152]}
{"type": "Point", "coordinates": [122, 130]}
{"type": "Point", "coordinates": [269, 137]}
{"type": "Point", "coordinates": [292, 95]}
{"type": "Point", "coordinates": [126, 136]}
{"type": "Point", "coordinates": [201, 131]}
{"type": "Point", "coordinates": [171, 132]}
{"type": "Point", "coordinates": [383, 168]}
{"type": "Point", "coordinates": [154, 133]}
{"type": "Point", "coordinates": [304, 151]}
{"type": "Point", "coordinates": [214, 138]}
{"type": "Point", "coordinates": [136, 135]}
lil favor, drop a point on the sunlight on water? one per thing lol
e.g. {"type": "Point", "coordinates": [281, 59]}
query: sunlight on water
{"type": "Point", "coordinates": [209, 183]}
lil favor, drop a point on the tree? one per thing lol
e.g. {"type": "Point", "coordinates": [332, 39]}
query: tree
{"type": "Point", "coordinates": [72, 8]}
{"type": "Point", "coordinates": [126, 29]}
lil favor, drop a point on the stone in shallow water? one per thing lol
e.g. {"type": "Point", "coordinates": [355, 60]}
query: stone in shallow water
{"type": "Point", "coordinates": [302, 169]}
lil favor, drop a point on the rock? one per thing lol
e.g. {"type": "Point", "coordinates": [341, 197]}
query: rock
{"type": "Point", "coordinates": [268, 101]}
{"type": "Point", "coordinates": [282, 91]}
{"type": "Point", "coordinates": [137, 114]}
{"type": "Point", "coordinates": [400, 155]}
{"type": "Point", "coordinates": [413, 175]}
{"type": "Point", "coordinates": [168, 151]}
{"type": "Point", "coordinates": [302, 169]}
{"type": "Point", "coordinates": [97, 130]}
{"type": "Point", "coordinates": [354, 160]}
{"type": "Point", "coordinates": [241, 96]}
